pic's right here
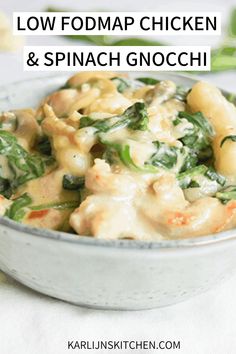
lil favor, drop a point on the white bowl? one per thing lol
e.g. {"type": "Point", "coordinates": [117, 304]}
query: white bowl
{"type": "Point", "coordinates": [121, 274]}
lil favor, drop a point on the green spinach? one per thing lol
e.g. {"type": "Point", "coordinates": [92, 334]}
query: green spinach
{"type": "Point", "coordinates": [165, 156]}
{"type": "Point", "coordinates": [23, 165]}
{"type": "Point", "coordinates": [18, 208]}
{"type": "Point", "coordinates": [148, 80]}
{"type": "Point", "coordinates": [187, 179]}
{"type": "Point", "coordinates": [135, 117]}
{"type": "Point", "coordinates": [73, 182]}
{"type": "Point", "coordinates": [227, 194]}
{"type": "Point", "coordinates": [198, 137]}
{"type": "Point", "coordinates": [121, 84]}
{"type": "Point", "coordinates": [229, 137]}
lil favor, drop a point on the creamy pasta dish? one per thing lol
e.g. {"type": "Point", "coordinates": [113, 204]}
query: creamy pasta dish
{"type": "Point", "coordinates": [112, 157]}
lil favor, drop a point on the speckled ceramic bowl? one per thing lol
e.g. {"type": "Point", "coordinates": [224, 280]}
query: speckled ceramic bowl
{"type": "Point", "coordinates": [108, 274]}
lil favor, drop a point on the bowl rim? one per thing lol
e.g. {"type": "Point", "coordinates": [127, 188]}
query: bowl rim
{"type": "Point", "coordinates": [119, 243]}
{"type": "Point", "coordinates": [114, 243]}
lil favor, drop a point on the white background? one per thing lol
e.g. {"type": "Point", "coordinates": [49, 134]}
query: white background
{"type": "Point", "coordinates": [35, 324]}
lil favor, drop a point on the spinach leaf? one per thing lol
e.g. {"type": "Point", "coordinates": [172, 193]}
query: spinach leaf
{"type": "Point", "coordinates": [190, 159]}
{"type": "Point", "coordinates": [73, 182]}
{"type": "Point", "coordinates": [165, 156]}
{"type": "Point", "coordinates": [231, 97]}
{"type": "Point", "coordinates": [214, 176]}
{"type": "Point", "coordinates": [135, 117]}
{"type": "Point", "coordinates": [58, 206]}
{"type": "Point", "coordinates": [227, 194]}
{"type": "Point", "coordinates": [193, 184]}
{"type": "Point", "coordinates": [5, 187]}
{"type": "Point", "coordinates": [199, 120]}
{"type": "Point", "coordinates": [110, 155]}
{"type": "Point", "coordinates": [181, 94]}
{"type": "Point", "coordinates": [102, 125]}
{"type": "Point", "coordinates": [148, 80]}
{"type": "Point", "coordinates": [44, 146]}
{"type": "Point", "coordinates": [185, 178]}
{"type": "Point", "coordinates": [121, 83]}
{"type": "Point", "coordinates": [123, 153]}
{"type": "Point", "coordinates": [23, 165]}
{"type": "Point", "coordinates": [23, 204]}
{"type": "Point", "coordinates": [197, 138]}
{"type": "Point", "coordinates": [229, 137]}
{"type": "Point", "coordinates": [18, 208]}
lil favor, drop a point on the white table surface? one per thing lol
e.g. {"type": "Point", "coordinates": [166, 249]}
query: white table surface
{"type": "Point", "coordinates": [31, 323]}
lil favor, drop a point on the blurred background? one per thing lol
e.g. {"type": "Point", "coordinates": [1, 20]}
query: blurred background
{"type": "Point", "coordinates": [224, 47]}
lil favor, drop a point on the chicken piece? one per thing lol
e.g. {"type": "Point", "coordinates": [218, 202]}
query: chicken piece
{"type": "Point", "coordinates": [110, 211]}
{"type": "Point", "coordinates": [205, 216]}
{"type": "Point", "coordinates": [100, 179]}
